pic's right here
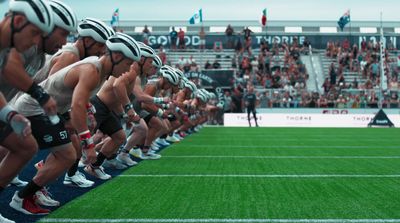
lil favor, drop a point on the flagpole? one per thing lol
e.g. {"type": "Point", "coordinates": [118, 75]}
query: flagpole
{"type": "Point", "coordinates": [350, 27]}
{"type": "Point", "coordinates": [381, 48]}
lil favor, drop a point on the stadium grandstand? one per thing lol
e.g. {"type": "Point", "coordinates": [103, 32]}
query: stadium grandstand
{"type": "Point", "coordinates": [350, 82]}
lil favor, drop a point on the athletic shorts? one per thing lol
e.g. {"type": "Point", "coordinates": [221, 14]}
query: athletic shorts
{"type": "Point", "coordinates": [46, 134]}
{"type": "Point", "coordinates": [5, 131]}
{"type": "Point", "coordinates": [107, 121]}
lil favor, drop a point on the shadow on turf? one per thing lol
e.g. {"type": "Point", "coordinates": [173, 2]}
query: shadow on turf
{"type": "Point", "coordinates": [59, 192]}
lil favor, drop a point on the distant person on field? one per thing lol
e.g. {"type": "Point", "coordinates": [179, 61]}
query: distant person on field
{"type": "Point", "coordinates": [181, 39]}
{"type": "Point", "coordinates": [250, 100]}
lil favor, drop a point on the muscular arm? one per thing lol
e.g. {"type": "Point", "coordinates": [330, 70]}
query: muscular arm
{"type": "Point", "coordinates": [120, 87]}
{"type": "Point", "coordinates": [62, 61]}
{"type": "Point", "coordinates": [14, 72]}
{"type": "Point", "coordinates": [87, 82]}
{"type": "Point", "coordinates": [139, 94]}
{"type": "Point", "coordinates": [150, 107]}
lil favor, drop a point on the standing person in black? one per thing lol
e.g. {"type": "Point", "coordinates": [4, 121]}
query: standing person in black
{"type": "Point", "coordinates": [250, 100]}
{"type": "Point", "coordinates": [173, 35]}
{"type": "Point", "coordinates": [237, 100]}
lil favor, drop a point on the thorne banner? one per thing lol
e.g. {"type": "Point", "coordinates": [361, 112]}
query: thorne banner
{"type": "Point", "coordinates": [309, 119]}
{"type": "Point", "coordinates": [318, 41]}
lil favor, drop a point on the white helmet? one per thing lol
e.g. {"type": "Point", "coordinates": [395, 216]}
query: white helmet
{"type": "Point", "coordinates": [146, 50]}
{"type": "Point", "coordinates": [167, 67]}
{"type": "Point", "coordinates": [201, 96]}
{"type": "Point", "coordinates": [157, 62]}
{"type": "Point", "coordinates": [37, 12]}
{"type": "Point", "coordinates": [192, 87]}
{"type": "Point", "coordinates": [170, 76]}
{"type": "Point", "coordinates": [96, 29]}
{"type": "Point", "coordinates": [64, 16]}
{"type": "Point", "coordinates": [179, 73]}
{"type": "Point", "coordinates": [125, 44]}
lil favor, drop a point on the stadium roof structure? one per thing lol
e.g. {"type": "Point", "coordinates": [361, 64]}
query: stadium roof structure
{"type": "Point", "coordinates": [284, 26]}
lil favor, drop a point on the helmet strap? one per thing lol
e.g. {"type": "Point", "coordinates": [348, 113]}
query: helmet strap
{"type": "Point", "coordinates": [86, 48]}
{"type": "Point", "coordinates": [114, 63]}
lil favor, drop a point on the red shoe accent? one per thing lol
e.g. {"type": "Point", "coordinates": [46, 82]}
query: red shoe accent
{"type": "Point", "coordinates": [30, 205]}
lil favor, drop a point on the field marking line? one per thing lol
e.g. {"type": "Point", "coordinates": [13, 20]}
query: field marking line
{"type": "Point", "coordinates": [208, 220]}
{"type": "Point", "coordinates": [266, 175]}
{"type": "Point", "coordinates": [285, 157]}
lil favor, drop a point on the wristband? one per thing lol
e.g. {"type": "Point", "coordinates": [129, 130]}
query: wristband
{"type": "Point", "coordinates": [128, 107]}
{"type": "Point", "coordinates": [160, 112]}
{"type": "Point", "coordinates": [38, 93]}
{"type": "Point", "coordinates": [7, 113]}
{"type": "Point", "coordinates": [165, 106]}
{"type": "Point", "coordinates": [86, 139]}
{"type": "Point", "coordinates": [158, 100]}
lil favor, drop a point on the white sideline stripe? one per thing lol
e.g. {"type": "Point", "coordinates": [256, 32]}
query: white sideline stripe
{"type": "Point", "coordinates": [216, 220]}
{"type": "Point", "coordinates": [291, 157]}
{"type": "Point", "coordinates": [267, 175]}
{"type": "Point", "coordinates": [292, 146]}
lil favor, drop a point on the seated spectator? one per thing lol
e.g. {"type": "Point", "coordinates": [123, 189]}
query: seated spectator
{"type": "Point", "coordinates": [207, 65]}
{"type": "Point", "coordinates": [216, 65]}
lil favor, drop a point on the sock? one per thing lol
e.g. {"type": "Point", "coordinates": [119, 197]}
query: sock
{"type": "Point", "coordinates": [145, 149]}
{"type": "Point", "coordinates": [100, 159]}
{"type": "Point", "coordinates": [29, 190]}
{"type": "Point", "coordinates": [73, 168]}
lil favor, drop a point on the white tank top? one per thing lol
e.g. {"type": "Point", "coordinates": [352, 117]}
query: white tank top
{"type": "Point", "coordinates": [55, 86]}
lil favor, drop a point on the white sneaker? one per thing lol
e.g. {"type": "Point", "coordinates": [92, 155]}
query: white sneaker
{"type": "Point", "coordinates": [162, 142]}
{"type": "Point", "coordinates": [77, 180]}
{"type": "Point", "coordinates": [137, 153]}
{"type": "Point", "coordinates": [97, 172]}
{"type": "Point", "coordinates": [114, 164]}
{"type": "Point", "coordinates": [176, 135]}
{"type": "Point", "coordinates": [43, 197]}
{"type": "Point", "coordinates": [172, 138]}
{"type": "Point", "coordinates": [154, 146]}
{"type": "Point", "coordinates": [27, 205]}
{"type": "Point", "coordinates": [19, 183]}
{"type": "Point", "coordinates": [151, 155]}
{"type": "Point", "coordinates": [126, 159]}
{"type": "Point", "coordinates": [5, 220]}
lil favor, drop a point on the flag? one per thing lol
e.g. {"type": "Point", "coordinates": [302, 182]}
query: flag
{"type": "Point", "coordinates": [264, 17]}
{"type": "Point", "coordinates": [197, 17]}
{"type": "Point", "coordinates": [115, 17]}
{"type": "Point", "coordinates": [344, 20]}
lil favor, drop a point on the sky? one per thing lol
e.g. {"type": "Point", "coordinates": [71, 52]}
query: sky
{"type": "Point", "coordinates": [327, 10]}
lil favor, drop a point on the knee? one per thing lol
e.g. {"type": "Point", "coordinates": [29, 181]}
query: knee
{"type": "Point", "coordinates": [28, 147]}
{"type": "Point", "coordinates": [119, 138]}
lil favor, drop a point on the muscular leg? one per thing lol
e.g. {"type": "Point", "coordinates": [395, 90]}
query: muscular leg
{"type": "Point", "coordinates": [20, 151]}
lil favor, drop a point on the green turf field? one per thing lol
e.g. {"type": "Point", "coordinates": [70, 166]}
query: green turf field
{"type": "Point", "coordinates": [255, 175]}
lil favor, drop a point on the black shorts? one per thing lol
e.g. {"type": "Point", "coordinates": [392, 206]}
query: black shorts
{"type": "Point", "coordinates": [46, 134]}
{"type": "Point", "coordinates": [5, 131]}
{"type": "Point", "coordinates": [251, 109]}
{"type": "Point", "coordinates": [107, 121]}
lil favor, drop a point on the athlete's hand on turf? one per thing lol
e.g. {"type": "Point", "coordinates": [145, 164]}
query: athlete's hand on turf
{"type": "Point", "coordinates": [21, 125]}
{"type": "Point", "coordinates": [50, 108]}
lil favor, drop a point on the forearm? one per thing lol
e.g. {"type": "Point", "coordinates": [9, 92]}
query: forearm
{"type": "Point", "coordinates": [79, 117]}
